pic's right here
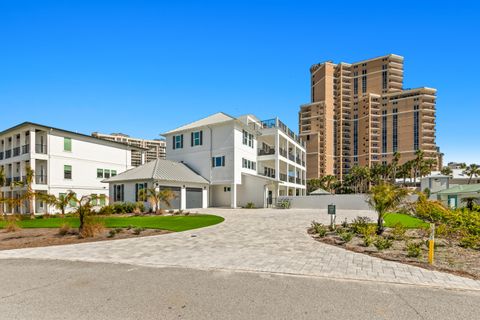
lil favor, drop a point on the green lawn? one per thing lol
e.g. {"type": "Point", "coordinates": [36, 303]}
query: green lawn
{"type": "Point", "coordinates": [407, 221]}
{"type": "Point", "coordinates": [171, 223]}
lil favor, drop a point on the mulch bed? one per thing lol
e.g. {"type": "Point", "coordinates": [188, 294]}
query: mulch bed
{"type": "Point", "coordinates": [449, 257]}
{"type": "Point", "coordinates": [43, 237]}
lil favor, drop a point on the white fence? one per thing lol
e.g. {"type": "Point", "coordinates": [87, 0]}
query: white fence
{"type": "Point", "coordinates": [342, 202]}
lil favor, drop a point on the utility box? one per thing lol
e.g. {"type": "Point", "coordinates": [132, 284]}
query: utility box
{"type": "Point", "coordinates": [332, 209]}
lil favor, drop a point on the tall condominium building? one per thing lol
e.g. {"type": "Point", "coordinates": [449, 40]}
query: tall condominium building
{"type": "Point", "coordinates": [155, 149]}
{"type": "Point", "coordinates": [360, 115]}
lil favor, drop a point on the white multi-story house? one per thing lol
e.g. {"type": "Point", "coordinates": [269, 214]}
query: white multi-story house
{"type": "Point", "coordinates": [62, 161]}
{"type": "Point", "coordinates": [244, 159]}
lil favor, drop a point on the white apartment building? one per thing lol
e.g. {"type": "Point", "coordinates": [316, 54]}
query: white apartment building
{"type": "Point", "coordinates": [244, 159]}
{"type": "Point", "coordinates": [62, 160]}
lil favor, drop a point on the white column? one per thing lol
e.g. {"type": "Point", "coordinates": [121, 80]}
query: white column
{"type": "Point", "coordinates": [183, 198]}
{"type": "Point", "coordinates": [32, 141]}
{"type": "Point", "coordinates": [205, 198]}
{"type": "Point", "coordinates": [277, 156]}
{"type": "Point", "coordinates": [233, 196]}
{"type": "Point", "coordinates": [143, 157]}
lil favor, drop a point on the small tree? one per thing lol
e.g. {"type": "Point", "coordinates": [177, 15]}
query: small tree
{"type": "Point", "coordinates": [157, 197]}
{"type": "Point", "coordinates": [84, 204]}
{"type": "Point", "coordinates": [62, 202]}
{"type": "Point", "coordinates": [471, 171]}
{"type": "Point", "coordinates": [469, 202]}
{"type": "Point", "coordinates": [384, 198]}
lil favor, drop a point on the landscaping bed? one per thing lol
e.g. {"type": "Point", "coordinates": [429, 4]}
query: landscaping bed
{"type": "Point", "coordinates": [22, 232]}
{"type": "Point", "coordinates": [404, 240]}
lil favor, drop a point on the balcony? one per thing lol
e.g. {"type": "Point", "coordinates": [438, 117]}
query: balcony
{"type": "Point", "coordinates": [16, 151]}
{"type": "Point", "coordinates": [291, 179]}
{"type": "Point", "coordinates": [266, 152]}
{"type": "Point", "coordinates": [26, 149]}
{"type": "Point", "coordinates": [40, 179]}
{"type": "Point", "coordinates": [298, 181]}
{"type": "Point", "coordinates": [8, 154]}
{"type": "Point", "coordinates": [276, 123]}
{"type": "Point", "coordinates": [283, 177]}
{"type": "Point", "coordinates": [8, 181]}
{"type": "Point", "coordinates": [291, 157]}
{"type": "Point", "coordinates": [283, 153]}
{"type": "Point", "coordinates": [1, 155]}
{"type": "Point", "coordinates": [41, 148]}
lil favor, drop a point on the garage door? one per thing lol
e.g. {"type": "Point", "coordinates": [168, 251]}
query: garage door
{"type": "Point", "coordinates": [175, 203]}
{"type": "Point", "coordinates": [194, 198]}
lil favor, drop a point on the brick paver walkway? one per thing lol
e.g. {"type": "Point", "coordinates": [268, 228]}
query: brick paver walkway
{"type": "Point", "coordinates": [260, 240]}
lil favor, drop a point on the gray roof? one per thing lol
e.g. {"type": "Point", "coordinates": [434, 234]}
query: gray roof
{"type": "Point", "coordinates": [212, 119]}
{"type": "Point", "coordinates": [163, 170]}
{"type": "Point", "coordinates": [319, 191]}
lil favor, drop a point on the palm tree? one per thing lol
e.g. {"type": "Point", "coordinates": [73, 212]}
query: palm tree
{"type": "Point", "coordinates": [385, 198]}
{"type": "Point", "coordinates": [157, 197]}
{"type": "Point", "coordinates": [29, 194]}
{"type": "Point", "coordinates": [84, 204]}
{"type": "Point", "coordinates": [446, 171]}
{"type": "Point", "coordinates": [471, 171]}
{"type": "Point", "coordinates": [469, 201]}
{"type": "Point", "coordinates": [62, 202]}
{"type": "Point", "coordinates": [328, 181]}
{"type": "Point", "coordinates": [418, 163]}
{"type": "Point", "coordinates": [430, 164]}
{"type": "Point", "coordinates": [394, 165]}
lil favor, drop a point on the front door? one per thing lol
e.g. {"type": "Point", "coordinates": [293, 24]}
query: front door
{"type": "Point", "coordinates": [452, 201]}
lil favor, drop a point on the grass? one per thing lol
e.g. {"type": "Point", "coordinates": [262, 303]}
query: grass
{"type": "Point", "coordinates": [171, 223]}
{"type": "Point", "coordinates": [405, 220]}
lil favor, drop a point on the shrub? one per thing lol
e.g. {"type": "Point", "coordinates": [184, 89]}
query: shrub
{"type": "Point", "coordinates": [469, 241]}
{"type": "Point", "coordinates": [118, 230]}
{"type": "Point", "coordinates": [368, 232]}
{"type": "Point", "coordinates": [284, 204]}
{"type": "Point", "coordinates": [345, 223]}
{"type": "Point", "coordinates": [382, 243]}
{"type": "Point", "coordinates": [433, 211]}
{"type": "Point", "coordinates": [319, 229]}
{"type": "Point", "coordinates": [140, 206]}
{"type": "Point", "coordinates": [137, 231]}
{"type": "Point", "coordinates": [398, 231]}
{"type": "Point", "coordinates": [360, 223]}
{"type": "Point", "coordinates": [12, 225]}
{"type": "Point", "coordinates": [111, 233]}
{"type": "Point", "coordinates": [368, 240]}
{"type": "Point", "coordinates": [250, 205]}
{"type": "Point", "coordinates": [414, 249]}
{"type": "Point", "coordinates": [346, 236]}
{"type": "Point", "coordinates": [91, 228]}
{"type": "Point", "coordinates": [64, 229]}
{"type": "Point", "coordinates": [106, 210]}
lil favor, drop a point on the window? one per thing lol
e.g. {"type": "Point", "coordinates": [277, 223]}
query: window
{"type": "Point", "coordinates": [416, 128]}
{"type": "Point", "coordinates": [218, 161]}
{"type": "Point", "coordinates": [248, 164]}
{"type": "Point", "coordinates": [99, 173]}
{"type": "Point", "coordinates": [364, 84]}
{"type": "Point", "coordinates": [197, 138]}
{"type": "Point", "coordinates": [118, 192]}
{"type": "Point", "coordinates": [113, 173]}
{"type": "Point", "coordinates": [178, 142]}
{"type": "Point", "coordinates": [106, 173]}
{"type": "Point", "coordinates": [227, 189]}
{"type": "Point", "coordinates": [138, 188]}
{"type": "Point", "coordinates": [384, 79]}
{"type": "Point", "coordinates": [247, 139]}
{"type": "Point", "coordinates": [94, 201]}
{"type": "Point", "coordinates": [67, 172]}
{"type": "Point", "coordinates": [355, 83]}
{"type": "Point", "coordinates": [395, 130]}
{"type": "Point", "coordinates": [384, 131]}
{"type": "Point", "coordinates": [67, 144]}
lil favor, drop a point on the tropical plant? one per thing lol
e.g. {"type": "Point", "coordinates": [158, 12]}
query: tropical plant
{"type": "Point", "coordinates": [3, 180]}
{"type": "Point", "coordinates": [471, 171]}
{"type": "Point", "coordinates": [84, 204]}
{"type": "Point", "coordinates": [29, 193]}
{"type": "Point", "coordinates": [394, 166]}
{"type": "Point", "coordinates": [469, 202]}
{"type": "Point", "coordinates": [157, 197]}
{"type": "Point", "coordinates": [446, 171]}
{"type": "Point", "coordinates": [385, 198]}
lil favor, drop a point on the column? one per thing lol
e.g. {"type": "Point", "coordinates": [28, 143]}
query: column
{"type": "Point", "coordinates": [205, 198]}
{"type": "Point", "coordinates": [183, 198]}
{"type": "Point", "coordinates": [233, 196]}
{"type": "Point", "coordinates": [277, 156]}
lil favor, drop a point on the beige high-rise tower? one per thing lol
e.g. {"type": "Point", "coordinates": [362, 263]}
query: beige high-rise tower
{"type": "Point", "coordinates": [360, 114]}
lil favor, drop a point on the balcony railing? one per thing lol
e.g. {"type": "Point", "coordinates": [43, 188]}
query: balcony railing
{"type": "Point", "coordinates": [299, 181]}
{"type": "Point", "coordinates": [25, 149]}
{"type": "Point", "coordinates": [8, 154]}
{"type": "Point", "coordinates": [40, 179]}
{"type": "Point", "coordinates": [1, 155]}
{"type": "Point", "coordinates": [283, 153]}
{"type": "Point", "coordinates": [16, 151]}
{"type": "Point", "coordinates": [291, 179]}
{"type": "Point", "coordinates": [41, 148]}
{"type": "Point", "coordinates": [291, 157]}
{"type": "Point", "coordinates": [283, 177]}
{"type": "Point", "coordinates": [8, 181]}
{"type": "Point", "coordinates": [265, 152]}
{"type": "Point", "coordinates": [276, 123]}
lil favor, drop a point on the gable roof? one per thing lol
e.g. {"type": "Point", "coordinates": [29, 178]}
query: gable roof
{"type": "Point", "coordinates": [218, 117]}
{"type": "Point", "coordinates": [319, 191]}
{"type": "Point", "coordinates": [463, 188]}
{"type": "Point", "coordinates": [164, 170]}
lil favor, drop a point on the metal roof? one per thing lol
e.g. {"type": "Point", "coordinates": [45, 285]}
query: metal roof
{"type": "Point", "coordinates": [463, 188]}
{"type": "Point", "coordinates": [164, 170]}
{"type": "Point", "coordinates": [319, 191]}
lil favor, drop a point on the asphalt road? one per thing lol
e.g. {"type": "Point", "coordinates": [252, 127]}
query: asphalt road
{"type": "Point", "coordinates": [35, 289]}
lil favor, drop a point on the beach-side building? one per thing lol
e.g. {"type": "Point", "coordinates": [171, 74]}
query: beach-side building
{"type": "Point", "coordinates": [62, 160]}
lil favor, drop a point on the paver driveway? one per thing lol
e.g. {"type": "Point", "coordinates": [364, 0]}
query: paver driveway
{"type": "Point", "coordinates": [261, 240]}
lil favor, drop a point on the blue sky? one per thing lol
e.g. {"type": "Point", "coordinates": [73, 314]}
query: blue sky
{"type": "Point", "coordinates": [144, 67]}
